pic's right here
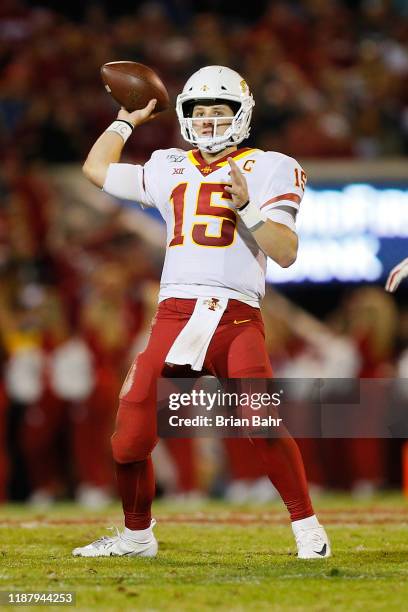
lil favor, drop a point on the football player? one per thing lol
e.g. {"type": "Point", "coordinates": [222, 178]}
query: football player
{"type": "Point", "coordinates": [226, 210]}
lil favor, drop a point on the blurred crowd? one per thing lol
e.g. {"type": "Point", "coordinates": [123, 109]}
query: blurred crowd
{"type": "Point", "coordinates": [78, 290]}
{"type": "Point", "coordinates": [331, 69]}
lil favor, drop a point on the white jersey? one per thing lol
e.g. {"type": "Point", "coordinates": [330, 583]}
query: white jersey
{"type": "Point", "coordinates": [210, 252]}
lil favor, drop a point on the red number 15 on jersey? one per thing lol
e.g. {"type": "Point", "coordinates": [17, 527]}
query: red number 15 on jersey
{"type": "Point", "coordinates": [204, 207]}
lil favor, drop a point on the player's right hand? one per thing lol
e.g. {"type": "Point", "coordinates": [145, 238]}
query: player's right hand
{"type": "Point", "coordinates": [396, 275]}
{"type": "Point", "coordinates": [139, 116]}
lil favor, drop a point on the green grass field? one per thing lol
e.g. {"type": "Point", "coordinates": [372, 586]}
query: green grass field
{"type": "Point", "coordinates": [215, 557]}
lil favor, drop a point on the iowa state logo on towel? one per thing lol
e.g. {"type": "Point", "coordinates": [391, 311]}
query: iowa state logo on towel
{"type": "Point", "coordinates": [212, 303]}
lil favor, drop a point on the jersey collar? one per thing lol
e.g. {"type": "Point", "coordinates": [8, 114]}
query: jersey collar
{"type": "Point", "coordinates": [202, 166]}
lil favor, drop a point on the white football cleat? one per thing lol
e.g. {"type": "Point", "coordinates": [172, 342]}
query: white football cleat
{"type": "Point", "coordinates": [118, 546]}
{"type": "Point", "coordinates": [311, 542]}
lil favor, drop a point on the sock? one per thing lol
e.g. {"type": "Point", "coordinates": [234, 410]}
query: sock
{"type": "Point", "coordinates": [136, 488]}
{"type": "Point", "coordinates": [285, 469]}
{"type": "Point", "coordinates": [306, 523]}
{"type": "Point", "coordinates": [138, 535]}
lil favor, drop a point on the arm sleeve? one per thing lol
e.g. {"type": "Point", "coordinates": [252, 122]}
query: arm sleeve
{"type": "Point", "coordinates": [133, 182]}
{"type": "Point", "coordinates": [283, 193]}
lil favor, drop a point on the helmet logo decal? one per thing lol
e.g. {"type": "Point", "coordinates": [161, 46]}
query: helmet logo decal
{"type": "Point", "coordinates": [243, 85]}
{"type": "Point", "coordinates": [204, 88]}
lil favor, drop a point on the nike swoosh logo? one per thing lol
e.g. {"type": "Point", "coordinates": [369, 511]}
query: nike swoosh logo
{"type": "Point", "coordinates": [113, 554]}
{"type": "Point", "coordinates": [244, 321]}
{"type": "Point", "coordinates": [321, 552]}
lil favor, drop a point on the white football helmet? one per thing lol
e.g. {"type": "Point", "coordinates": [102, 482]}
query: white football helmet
{"type": "Point", "coordinates": [218, 84]}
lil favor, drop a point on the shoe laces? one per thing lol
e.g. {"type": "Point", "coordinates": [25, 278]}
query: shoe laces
{"type": "Point", "coordinates": [104, 540]}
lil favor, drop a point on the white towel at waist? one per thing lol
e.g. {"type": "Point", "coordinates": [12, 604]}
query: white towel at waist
{"type": "Point", "coordinates": [190, 346]}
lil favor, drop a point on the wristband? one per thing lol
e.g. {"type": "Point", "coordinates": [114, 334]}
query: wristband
{"type": "Point", "coordinates": [121, 127]}
{"type": "Point", "coordinates": [251, 216]}
{"type": "Point", "coordinates": [243, 206]}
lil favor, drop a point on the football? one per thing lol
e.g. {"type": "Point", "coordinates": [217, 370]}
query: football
{"type": "Point", "coordinates": [132, 85]}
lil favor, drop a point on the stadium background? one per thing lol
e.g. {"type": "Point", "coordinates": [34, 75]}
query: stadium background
{"type": "Point", "coordinates": [79, 274]}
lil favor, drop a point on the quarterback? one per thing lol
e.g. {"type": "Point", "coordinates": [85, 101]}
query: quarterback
{"type": "Point", "coordinates": [226, 210]}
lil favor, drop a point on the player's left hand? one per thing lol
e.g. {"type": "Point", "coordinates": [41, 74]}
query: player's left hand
{"type": "Point", "coordinates": [238, 188]}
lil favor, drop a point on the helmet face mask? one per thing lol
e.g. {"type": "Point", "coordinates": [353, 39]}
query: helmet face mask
{"type": "Point", "coordinates": [215, 85]}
